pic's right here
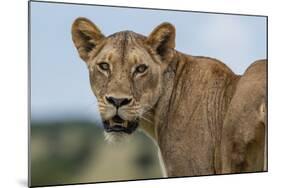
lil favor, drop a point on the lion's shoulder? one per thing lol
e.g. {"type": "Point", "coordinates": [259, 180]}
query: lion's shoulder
{"type": "Point", "coordinates": [206, 67]}
{"type": "Point", "coordinates": [212, 64]}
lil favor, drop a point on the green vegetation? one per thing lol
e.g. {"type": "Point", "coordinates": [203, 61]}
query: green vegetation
{"type": "Point", "coordinates": [76, 152]}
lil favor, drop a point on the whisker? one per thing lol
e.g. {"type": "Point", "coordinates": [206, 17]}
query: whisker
{"type": "Point", "coordinates": [149, 121]}
{"type": "Point", "coordinates": [131, 113]}
{"type": "Point", "coordinates": [149, 106]}
{"type": "Point", "coordinates": [128, 109]}
{"type": "Point", "coordinates": [102, 104]}
{"type": "Point", "coordinates": [147, 112]}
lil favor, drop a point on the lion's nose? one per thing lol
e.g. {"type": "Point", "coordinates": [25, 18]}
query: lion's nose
{"type": "Point", "coordinates": [118, 102]}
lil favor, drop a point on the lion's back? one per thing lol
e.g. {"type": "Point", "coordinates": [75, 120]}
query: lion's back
{"type": "Point", "coordinates": [245, 123]}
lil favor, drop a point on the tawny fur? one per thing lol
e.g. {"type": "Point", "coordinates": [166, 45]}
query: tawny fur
{"type": "Point", "coordinates": [204, 118]}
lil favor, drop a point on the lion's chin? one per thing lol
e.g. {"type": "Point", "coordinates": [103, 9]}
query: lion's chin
{"type": "Point", "coordinates": [115, 137]}
{"type": "Point", "coordinates": [116, 132]}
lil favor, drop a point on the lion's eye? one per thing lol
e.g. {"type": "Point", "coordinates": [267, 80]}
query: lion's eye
{"type": "Point", "coordinates": [104, 66]}
{"type": "Point", "coordinates": [141, 68]}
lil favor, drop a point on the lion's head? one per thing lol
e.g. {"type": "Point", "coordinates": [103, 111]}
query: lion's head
{"type": "Point", "coordinates": [126, 70]}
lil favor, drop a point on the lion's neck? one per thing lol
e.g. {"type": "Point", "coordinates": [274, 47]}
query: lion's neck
{"type": "Point", "coordinates": [164, 103]}
{"type": "Point", "coordinates": [160, 112]}
{"type": "Point", "coordinates": [151, 127]}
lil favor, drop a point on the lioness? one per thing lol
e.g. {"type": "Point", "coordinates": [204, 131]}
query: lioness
{"type": "Point", "coordinates": [204, 118]}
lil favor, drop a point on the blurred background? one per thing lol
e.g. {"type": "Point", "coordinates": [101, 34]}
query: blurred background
{"type": "Point", "coordinates": [75, 152]}
{"type": "Point", "coordinates": [67, 142]}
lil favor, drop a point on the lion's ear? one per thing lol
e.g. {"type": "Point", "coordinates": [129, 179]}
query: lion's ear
{"type": "Point", "coordinates": [85, 35]}
{"type": "Point", "coordinates": [162, 38]}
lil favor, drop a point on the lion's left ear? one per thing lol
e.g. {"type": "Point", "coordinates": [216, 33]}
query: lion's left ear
{"type": "Point", "coordinates": [162, 38]}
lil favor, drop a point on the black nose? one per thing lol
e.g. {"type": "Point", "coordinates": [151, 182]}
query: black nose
{"type": "Point", "coordinates": [118, 102]}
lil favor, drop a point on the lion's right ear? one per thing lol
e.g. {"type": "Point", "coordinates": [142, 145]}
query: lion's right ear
{"type": "Point", "coordinates": [162, 39]}
{"type": "Point", "coordinates": [85, 35]}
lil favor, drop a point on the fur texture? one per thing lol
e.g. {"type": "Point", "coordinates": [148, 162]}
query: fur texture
{"type": "Point", "coordinates": [204, 118]}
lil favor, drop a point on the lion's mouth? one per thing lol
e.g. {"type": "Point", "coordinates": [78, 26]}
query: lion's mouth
{"type": "Point", "coordinates": [117, 124]}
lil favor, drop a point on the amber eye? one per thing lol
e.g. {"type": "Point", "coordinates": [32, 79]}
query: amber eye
{"type": "Point", "coordinates": [104, 66]}
{"type": "Point", "coordinates": [141, 68]}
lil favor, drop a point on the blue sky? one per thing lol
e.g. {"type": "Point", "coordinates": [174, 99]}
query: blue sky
{"type": "Point", "coordinates": [60, 86]}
